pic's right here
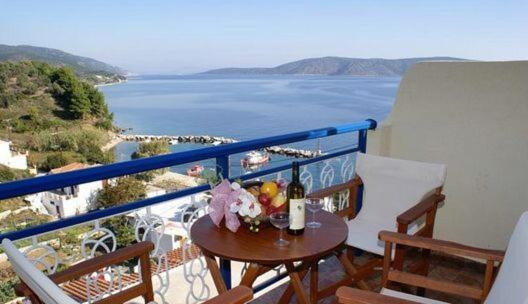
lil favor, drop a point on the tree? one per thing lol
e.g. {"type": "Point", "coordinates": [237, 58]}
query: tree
{"type": "Point", "coordinates": [98, 107]}
{"type": "Point", "coordinates": [152, 148]}
{"type": "Point", "coordinates": [79, 104]}
{"type": "Point", "coordinates": [149, 149]}
{"type": "Point", "coordinates": [60, 159]}
{"type": "Point", "coordinates": [70, 92]}
{"type": "Point", "coordinates": [125, 190]}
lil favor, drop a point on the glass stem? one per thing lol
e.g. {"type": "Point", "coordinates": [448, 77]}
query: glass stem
{"type": "Point", "coordinates": [313, 216]}
{"type": "Point", "coordinates": [280, 234]}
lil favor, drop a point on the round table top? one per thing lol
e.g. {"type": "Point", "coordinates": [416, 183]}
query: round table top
{"type": "Point", "coordinates": [247, 246]}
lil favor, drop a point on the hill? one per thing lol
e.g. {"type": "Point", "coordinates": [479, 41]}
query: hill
{"type": "Point", "coordinates": [89, 69]}
{"type": "Point", "coordinates": [52, 113]}
{"type": "Point", "coordinates": [336, 66]}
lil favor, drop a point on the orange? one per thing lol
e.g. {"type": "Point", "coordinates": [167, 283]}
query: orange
{"type": "Point", "coordinates": [269, 188]}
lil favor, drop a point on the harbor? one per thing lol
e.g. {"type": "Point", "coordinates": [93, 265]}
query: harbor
{"type": "Point", "coordinates": [217, 140]}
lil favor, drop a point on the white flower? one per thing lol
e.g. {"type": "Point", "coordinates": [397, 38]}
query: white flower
{"type": "Point", "coordinates": [252, 210]}
{"type": "Point", "coordinates": [235, 186]}
{"type": "Point", "coordinates": [246, 197]}
{"type": "Point", "coordinates": [235, 206]}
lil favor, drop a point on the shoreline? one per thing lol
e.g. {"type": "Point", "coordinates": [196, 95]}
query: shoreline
{"type": "Point", "coordinates": [115, 139]}
{"type": "Point", "coordinates": [110, 83]}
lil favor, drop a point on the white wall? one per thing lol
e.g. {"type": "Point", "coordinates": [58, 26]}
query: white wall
{"type": "Point", "coordinates": [70, 205]}
{"type": "Point", "coordinates": [5, 152]}
{"type": "Point", "coordinates": [472, 116]}
{"type": "Point", "coordinates": [82, 201]}
{"type": "Point", "coordinates": [10, 159]}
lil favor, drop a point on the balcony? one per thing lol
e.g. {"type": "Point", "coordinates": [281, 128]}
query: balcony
{"type": "Point", "coordinates": [180, 274]}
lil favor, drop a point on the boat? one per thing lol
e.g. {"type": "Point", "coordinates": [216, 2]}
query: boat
{"type": "Point", "coordinates": [195, 170]}
{"type": "Point", "coordinates": [217, 143]}
{"type": "Point", "coordinates": [254, 159]}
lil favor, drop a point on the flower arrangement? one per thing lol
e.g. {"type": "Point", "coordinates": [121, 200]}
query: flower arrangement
{"type": "Point", "coordinates": [252, 202]}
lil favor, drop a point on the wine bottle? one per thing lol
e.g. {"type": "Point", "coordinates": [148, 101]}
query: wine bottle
{"type": "Point", "coordinates": [295, 202]}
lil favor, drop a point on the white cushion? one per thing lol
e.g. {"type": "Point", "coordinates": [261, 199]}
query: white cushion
{"type": "Point", "coordinates": [410, 297]}
{"type": "Point", "coordinates": [392, 186]}
{"type": "Point", "coordinates": [363, 234]}
{"type": "Point", "coordinates": [510, 285]}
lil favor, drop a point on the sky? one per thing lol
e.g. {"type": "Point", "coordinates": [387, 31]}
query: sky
{"type": "Point", "coordinates": [174, 36]}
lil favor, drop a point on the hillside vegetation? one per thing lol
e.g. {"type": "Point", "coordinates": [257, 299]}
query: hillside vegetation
{"type": "Point", "coordinates": [90, 70]}
{"type": "Point", "coordinates": [336, 66]}
{"type": "Point", "coordinates": [51, 112]}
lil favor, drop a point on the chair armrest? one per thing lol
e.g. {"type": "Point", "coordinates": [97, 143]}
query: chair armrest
{"type": "Point", "coordinates": [348, 295]}
{"type": "Point", "coordinates": [329, 191]}
{"type": "Point", "coordinates": [237, 295]}
{"type": "Point", "coordinates": [350, 211]}
{"type": "Point", "coordinates": [96, 263]}
{"type": "Point", "coordinates": [424, 206]}
{"type": "Point", "coordinates": [441, 246]}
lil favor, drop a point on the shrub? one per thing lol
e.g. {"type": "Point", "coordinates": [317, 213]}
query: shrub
{"type": "Point", "coordinates": [9, 174]}
{"type": "Point", "coordinates": [6, 174]}
{"type": "Point", "coordinates": [7, 289]}
{"type": "Point", "coordinates": [59, 159]}
{"type": "Point", "coordinates": [125, 190]}
{"type": "Point", "coordinates": [148, 149]}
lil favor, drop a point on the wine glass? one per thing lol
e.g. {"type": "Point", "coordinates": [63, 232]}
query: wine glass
{"type": "Point", "coordinates": [280, 220]}
{"type": "Point", "coordinates": [314, 205]}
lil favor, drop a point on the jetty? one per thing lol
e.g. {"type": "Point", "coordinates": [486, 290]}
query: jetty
{"type": "Point", "coordinates": [217, 140]}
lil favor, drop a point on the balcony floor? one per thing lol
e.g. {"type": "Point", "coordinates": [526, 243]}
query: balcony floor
{"type": "Point", "coordinates": [442, 267]}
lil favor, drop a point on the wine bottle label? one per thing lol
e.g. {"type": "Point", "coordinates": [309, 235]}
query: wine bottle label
{"type": "Point", "coordinates": [297, 214]}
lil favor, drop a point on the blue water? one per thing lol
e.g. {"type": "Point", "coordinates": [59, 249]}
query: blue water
{"type": "Point", "coordinates": [246, 107]}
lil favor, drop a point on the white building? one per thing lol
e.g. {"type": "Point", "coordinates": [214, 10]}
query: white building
{"type": "Point", "coordinates": [10, 158]}
{"type": "Point", "coordinates": [71, 200]}
{"type": "Point", "coordinates": [172, 212]}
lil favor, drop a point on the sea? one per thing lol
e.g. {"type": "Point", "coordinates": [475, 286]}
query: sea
{"type": "Point", "coordinates": [246, 107]}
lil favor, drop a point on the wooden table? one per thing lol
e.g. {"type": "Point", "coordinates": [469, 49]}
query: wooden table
{"type": "Point", "coordinates": [258, 250]}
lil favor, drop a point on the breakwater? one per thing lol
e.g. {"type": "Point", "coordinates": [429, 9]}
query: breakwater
{"type": "Point", "coordinates": [217, 140]}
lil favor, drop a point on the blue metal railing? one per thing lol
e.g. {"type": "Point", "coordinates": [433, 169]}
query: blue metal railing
{"type": "Point", "coordinates": [220, 153]}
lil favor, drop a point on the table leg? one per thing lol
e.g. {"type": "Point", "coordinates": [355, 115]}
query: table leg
{"type": "Point", "coordinates": [288, 293]}
{"type": "Point", "coordinates": [252, 273]}
{"type": "Point", "coordinates": [351, 270]}
{"type": "Point", "coordinates": [296, 281]}
{"type": "Point", "coordinates": [215, 273]}
{"type": "Point", "coordinates": [314, 280]}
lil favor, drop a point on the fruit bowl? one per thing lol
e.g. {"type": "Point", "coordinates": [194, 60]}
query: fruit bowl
{"type": "Point", "coordinates": [271, 198]}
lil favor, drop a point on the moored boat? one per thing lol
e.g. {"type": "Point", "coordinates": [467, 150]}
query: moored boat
{"type": "Point", "coordinates": [195, 170]}
{"type": "Point", "coordinates": [254, 158]}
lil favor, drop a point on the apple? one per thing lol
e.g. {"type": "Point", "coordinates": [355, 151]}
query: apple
{"type": "Point", "coordinates": [272, 209]}
{"type": "Point", "coordinates": [264, 199]}
{"type": "Point", "coordinates": [278, 200]}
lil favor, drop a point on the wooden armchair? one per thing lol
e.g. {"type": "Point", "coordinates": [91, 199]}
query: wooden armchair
{"type": "Point", "coordinates": [508, 287]}
{"type": "Point", "coordinates": [42, 289]}
{"type": "Point", "coordinates": [398, 194]}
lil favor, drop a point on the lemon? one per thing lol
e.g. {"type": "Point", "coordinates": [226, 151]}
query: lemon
{"type": "Point", "coordinates": [269, 188]}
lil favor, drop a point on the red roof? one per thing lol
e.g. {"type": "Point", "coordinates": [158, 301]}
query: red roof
{"type": "Point", "coordinates": [69, 167]}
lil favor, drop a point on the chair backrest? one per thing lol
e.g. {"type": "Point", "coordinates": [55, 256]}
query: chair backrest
{"type": "Point", "coordinates": [510, 284]}
{"type": "Point", "coordinates": [47, 291]}
{"type": "Point", "coordinates": [391, 186]}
